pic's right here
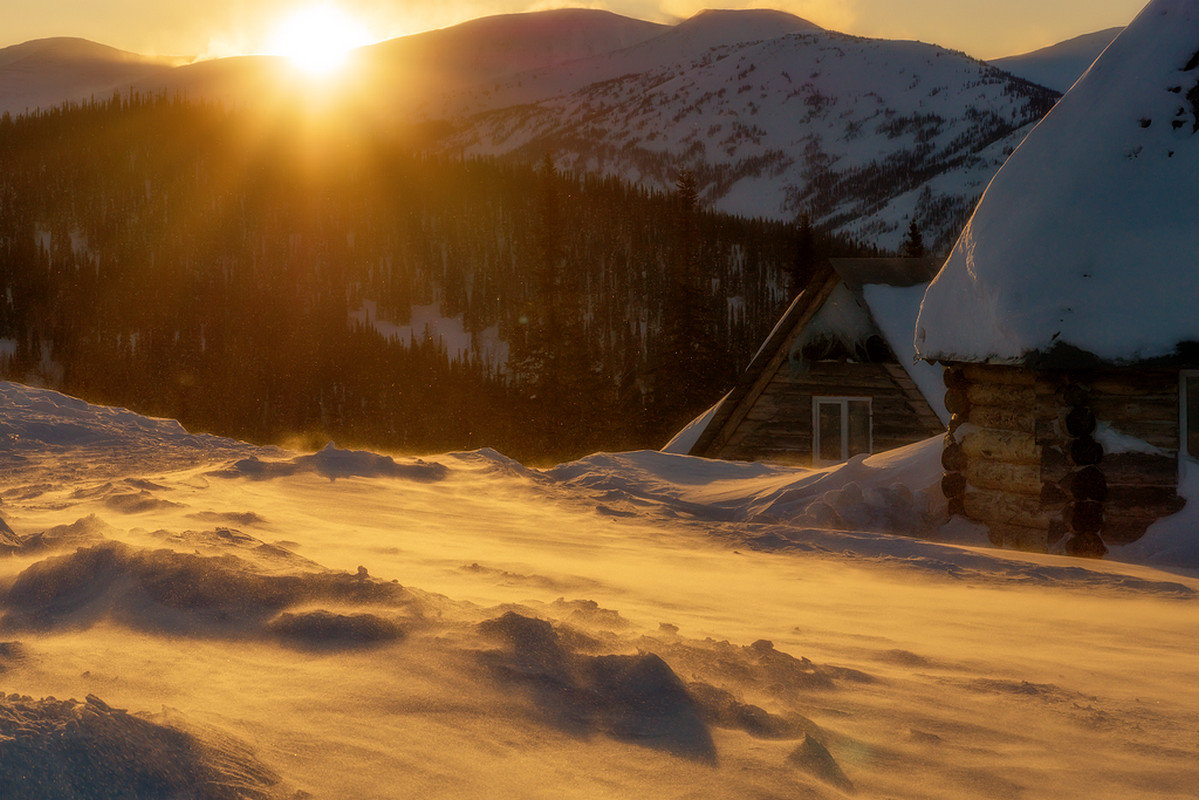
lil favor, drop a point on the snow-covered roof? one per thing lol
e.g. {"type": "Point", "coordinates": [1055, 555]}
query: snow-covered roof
{"type": "Point", "coordinates": [1085, 247]}
{"type": "Point", "coordinates": [879, 295]}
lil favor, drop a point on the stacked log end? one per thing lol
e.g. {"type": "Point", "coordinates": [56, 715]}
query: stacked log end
{"type": "Point", "coordinates": [953, 457]}
{"type": "Point", "coordinates": [1002, 457]}
{"type": "Point", "coordinates": [1031, 467]}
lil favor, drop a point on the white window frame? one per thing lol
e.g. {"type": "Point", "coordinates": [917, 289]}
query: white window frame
{"type": "Point", "coordinates": [1184, 455]}
{"type": "Point", "coordinates": [844, 402]}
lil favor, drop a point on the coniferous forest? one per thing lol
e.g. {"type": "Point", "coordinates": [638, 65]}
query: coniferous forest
{"type": "Point", "coordinates": [212, 265]}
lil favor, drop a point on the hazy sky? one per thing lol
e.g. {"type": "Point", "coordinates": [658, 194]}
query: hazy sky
{"type": "Point", "coordinates": [983, 28]}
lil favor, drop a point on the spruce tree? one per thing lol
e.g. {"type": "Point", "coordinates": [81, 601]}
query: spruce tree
{"type": "Point", "coordinates": [913, 243]}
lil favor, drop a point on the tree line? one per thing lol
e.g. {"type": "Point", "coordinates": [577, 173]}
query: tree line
{"type": "Point", "coordinates": [210, 264]}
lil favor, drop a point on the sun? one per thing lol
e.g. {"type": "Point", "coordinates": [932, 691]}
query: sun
{"type": "Point", "coordinates": [318, 39]}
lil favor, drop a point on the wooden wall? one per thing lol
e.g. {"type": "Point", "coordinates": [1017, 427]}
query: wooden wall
{"type": "Point", "coordinates": [1141, 487]}
{"type": "Point", "coordinates": [778, 425]}
{"type": "Point", "coordinates": [992, 460]}
{"type": "Point", "coordinates": [1024, 456]}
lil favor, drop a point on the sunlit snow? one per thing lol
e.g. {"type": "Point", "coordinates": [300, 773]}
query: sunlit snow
{"type": "Point", "coordinates": [352, 624]}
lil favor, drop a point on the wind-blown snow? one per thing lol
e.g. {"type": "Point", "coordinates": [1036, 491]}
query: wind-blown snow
{"type": "Point", "coordinates": [1116, 441]}
{"type": "Point", "coordinates": [633, 623]}
{"type": "Point", "coordinates": [1086, 237]}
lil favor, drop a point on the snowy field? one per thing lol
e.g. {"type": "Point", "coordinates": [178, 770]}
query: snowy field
{"type": "Point", "coordinates": [223, 621]}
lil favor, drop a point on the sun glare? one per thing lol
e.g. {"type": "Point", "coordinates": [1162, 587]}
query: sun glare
{"type": "Point", "coordinates": [318, 39]}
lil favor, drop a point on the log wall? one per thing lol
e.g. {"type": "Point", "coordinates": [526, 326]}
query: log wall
{"type": "Point", "coordinates": [778, 427]}
{"type": "Point", "coordinates": [1024, 456]}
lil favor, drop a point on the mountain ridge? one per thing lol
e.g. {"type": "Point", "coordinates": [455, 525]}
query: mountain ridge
{"type": "Point", "coordinates": [833, 130]}
{"type": "Point", "coordinates": [1059, 65]}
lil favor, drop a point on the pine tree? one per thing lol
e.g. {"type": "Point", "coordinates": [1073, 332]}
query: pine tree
{"type": "Point", "coordinates": [913, 243]}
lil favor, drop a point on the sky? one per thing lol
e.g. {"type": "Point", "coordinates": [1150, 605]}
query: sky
{"type": "Point", "coordinates": [982, 28]}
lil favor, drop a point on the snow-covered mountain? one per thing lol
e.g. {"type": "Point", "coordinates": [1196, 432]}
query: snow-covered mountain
{"type": "Point", "coordinates": [47, 72]}
{"type": "Point", "coordinates": [491, 48]}
{"type": "Point", "coordinates": [680, 44]}
{"type": "Point", "coordinates": [780, 117]}
{"type": "Point", "coordinates": [1059, 65]}
{"type": "Point", "coordinates": [773, 114]}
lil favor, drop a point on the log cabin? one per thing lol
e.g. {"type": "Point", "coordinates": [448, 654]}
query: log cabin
{"type": "Point", "coordinates": [837, 376]}
{"type": "Point", "coordinates": [1067, 315]}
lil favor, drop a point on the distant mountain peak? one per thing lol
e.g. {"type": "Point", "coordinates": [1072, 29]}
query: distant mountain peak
{"type": "Point", "coordinates": [756, 23]}
{"type": "Point", "coordinates": [1059, 65]}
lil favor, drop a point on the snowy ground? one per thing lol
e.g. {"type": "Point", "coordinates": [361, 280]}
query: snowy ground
{"type": "Point", "coordinates": [352, 625]}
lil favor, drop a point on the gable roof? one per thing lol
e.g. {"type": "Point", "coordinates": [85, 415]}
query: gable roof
{"type": "Point", "coordinates": [893, 314]}
{"type": "Point", "coordinates": [1084, 250]}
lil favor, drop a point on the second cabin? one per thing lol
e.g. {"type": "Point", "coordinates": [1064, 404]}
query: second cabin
{"type": "Point", "coordinates": [837, 376]}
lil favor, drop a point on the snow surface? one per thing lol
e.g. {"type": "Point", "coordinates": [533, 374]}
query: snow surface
{"type": "Point", "coordinates": [895, 309]}
{"type": "Point", "coordinates": [449, 332]}
{"type": "Point", "coordinates": [684, 440]}
{"type": "Point", "coordinates": [1086, 236]}
{"type": "Point", "coordinates": [627, 624]}
{"type": "Point", "coordinates": [1060, 65]}
{"type": "Point", "coordinates": [768, 104]}
{"type": "Point", "coordinates": [1116, 441]}
{"type": "Point", "coordinates": [1172, 541]}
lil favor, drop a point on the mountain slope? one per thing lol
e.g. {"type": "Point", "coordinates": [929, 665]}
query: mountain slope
{"type": "Point", "coordinates": [833, 124]}
{"type": "Point", "coordinates": [508, 43]}
{"type": "Point", "coordinates": [682, 43]}
{"type": "Point", "coordinates": [774, 114]}
{"type": "Point", "coordinates": [1060, 65]}
{"type": "Point", "coordinates": [47, 72]}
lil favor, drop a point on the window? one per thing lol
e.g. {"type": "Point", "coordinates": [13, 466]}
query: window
{"type": "Point", "coordinates": [1188, 412]}
{"type": "Point", "coordinates": [842, 428]}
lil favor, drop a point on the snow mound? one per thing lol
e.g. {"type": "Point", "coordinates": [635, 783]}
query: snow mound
{"type": "Point", "coordinates": [170, 592]}
{"type": "Point", "coordinates": [638, 698]}
{"type": "Point", "coordinates": [66, 750]}
{"type": "Point", "coordinates": [1084, 242]}
{"type": "Point", "coordinates": [722, 709]}
{"type": "Point", "coordinates": [1170, 542]}
{"type": "Point", "coordinates": [333, 463]}
{"type": "Point", "coordinates": [894, 492]}
{"type": "Point", "coordinates": [83, 532]}
{"type": "Point", "coordinates": [814, 758]}
{"type": "Point", "coordinates": [37, 418]}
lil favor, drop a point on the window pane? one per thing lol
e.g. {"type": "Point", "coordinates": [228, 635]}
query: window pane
{"type": "Point", "coordinates": [830, 431]}
{"type": "Point", "coordinates": [1192, 412]}
{"type": "Point", "coordinates": [859, 427]}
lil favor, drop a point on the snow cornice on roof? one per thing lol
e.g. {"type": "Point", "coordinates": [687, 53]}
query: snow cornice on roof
{"type": "Point", "coordinates": [1084, 250]}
